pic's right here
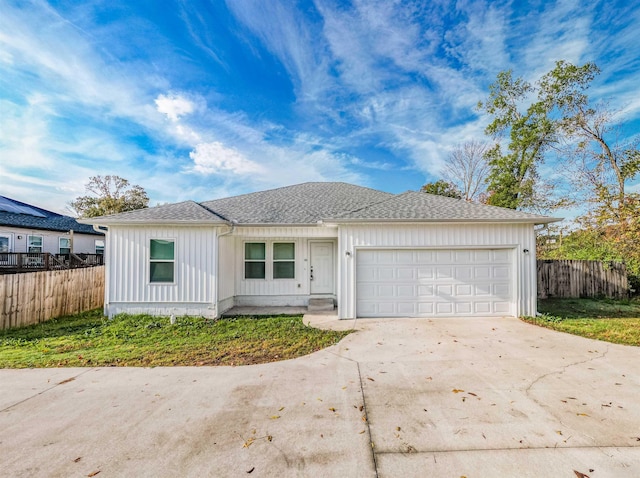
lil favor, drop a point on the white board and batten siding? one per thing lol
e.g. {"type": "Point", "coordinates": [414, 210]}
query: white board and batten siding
{"type": "Point", "coordinates": [430, 269]}
{"type": "Point", "coordinates": [128, 288]}
{"type": "Point", "coordinates": [269, 291]}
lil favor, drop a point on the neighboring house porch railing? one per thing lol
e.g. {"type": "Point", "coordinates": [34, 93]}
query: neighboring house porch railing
{"type": "Point", "coordinates": [13, 262]}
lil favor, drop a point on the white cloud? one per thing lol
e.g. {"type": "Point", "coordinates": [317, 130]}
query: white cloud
{"type": "Point", "coordinates": [215, 158]}
{"type": "Point", "coordinates": [174, 106]}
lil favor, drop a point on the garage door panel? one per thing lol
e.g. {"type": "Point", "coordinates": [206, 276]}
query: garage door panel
{"type": "Point", "coordinates": [385, 291]}
{"type": "Point", "coordinates": [503, 256]}
{"type": "Point", "coordinates": [424, 257]}
{"type": "Point", "coordinates": [464, 274]}
{"type": "Point", "coordinates": [463, 290]}
{"type": "Point", "coordinates": [482, 272]}
{"type": "Point", "coordinates": [502, 307]}
{"type": "Point", "coordinates": [431, 283]}
{"type": "Point", "coordinates": [463, 256]}
{"type": "Point", "coordinates": [426, 291]}
{"type": "Point", "coordinates": [480, 308]}
{"type": "Point", "coordinates": [443, 257]}
{"type": "Point", "coordinates": [406, 273]}
{"type": "Point", "coordinates": [482, 289]}
{"type": "Point", "coordinates": [405, 257]}
{"type": "Point", "coordinates": [425, 308]}
{"type": "Point", "coordinates": [444, 272]}
{"type": "Point", "coordinates": [405, 291]}
{"type": "Point", "coordinates": [463, 307]}
{"type": "Point", "coordinates": [502, 290]}
{"type": "Point", "coordinates": [426, 273]}
{"type": "Point", "coordinates": [444, 308]}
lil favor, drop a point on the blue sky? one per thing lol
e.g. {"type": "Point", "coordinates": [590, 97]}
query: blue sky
{"type": "Point", "coordinates": [200, 100]}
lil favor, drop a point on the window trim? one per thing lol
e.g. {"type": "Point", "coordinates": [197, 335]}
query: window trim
{"type": "Point", "coordinates": [245, 260]}
{"type": "Point", "coordinates": [156, 261]}
{"type": "Point", "coordinates": [60, 239]}
{"type": "Point", "coordinates": [41, 246]}
{"type": "Point", "coordinates": [274, 260]}
{"type": "Point", "coordinates": [269, 260]}
{"type": "Point", "coordinates": [9, 238]}
{"type": "Point", "coordinates": [95, 246]}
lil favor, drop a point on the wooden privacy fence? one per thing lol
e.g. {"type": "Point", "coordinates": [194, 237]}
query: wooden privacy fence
{"type": "Point", "coordinates": [571, 279]}
{"type": "Point", "coordinates": [34, 297]}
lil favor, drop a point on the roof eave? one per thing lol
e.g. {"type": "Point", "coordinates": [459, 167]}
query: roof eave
{"type": "Point", "coordinates": [542, 220]}
{"type": "Point", "coordinates": [153, 223]}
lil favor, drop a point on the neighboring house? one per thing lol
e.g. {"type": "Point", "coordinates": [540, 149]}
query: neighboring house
{"type": "Point", "coordinates": [375, 254]}
{"type": "Point", "coordinates": [27, 228]}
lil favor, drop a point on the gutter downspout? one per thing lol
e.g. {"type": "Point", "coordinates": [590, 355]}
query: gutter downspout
{"type": "Point", "coordinates": [232, 225]}
{"type": "Point", "coordinates": [105, 230]}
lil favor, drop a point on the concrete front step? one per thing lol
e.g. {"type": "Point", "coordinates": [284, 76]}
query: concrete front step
{"type": "Point", "coordinates": [317, 305]}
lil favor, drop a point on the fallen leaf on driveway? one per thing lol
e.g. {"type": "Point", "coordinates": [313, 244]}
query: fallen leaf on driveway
{"type": "Point", "coordinates": [582, 414]}
{"type": "Point", "coordinates": [77, 459]}
{"type": "Point", "coordinates": [369, 378]}
{"type": "Point", "coordinates": [275, 417]}
{"type": "Point", "coordinates": [251, 470]}
{"type": "Point", "coordinates": [472, 394]}
{"type": "Point", "coordinates": [67, 381]}
{"type": "Point", "coordinates": [580, 475]}
{"type": "Point", "coordinates": [456, 390]}
{"type": "Point", "coordinates": [280, 409]}
{"type": "Point", "coordinates": [94, 473]}
{"type": "Point", "coordinates": [332, 409]}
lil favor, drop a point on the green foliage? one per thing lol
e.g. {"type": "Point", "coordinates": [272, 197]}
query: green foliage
{"type": "Point", "coordinates": [616, 321]}
{"type": "Point", "coordinates": [110, 195]}
{"type": "Point", "coordinates": [532, 119]}
{"type": "Point", "coordinates": [89, 339]}
{"type": "Point", "coordinates": [442, 188]}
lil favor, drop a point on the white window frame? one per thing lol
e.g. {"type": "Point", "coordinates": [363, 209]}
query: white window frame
{"type": "Point", "coordinates": [245, 260]}
{"type": "Point", "coordinates": [103, 247]}
{"type": "Point", "coordinates": [9, 238]}
{"type": "Point", "coordinates": [269, 260]}
{"type": "Point", "coordinates": [41, 246]}
{"type": "Point", "coordinates": [274, 260]}
{"type": "Point", "coordinates": [172, 261]}
{"type": "Point", "coordinates": [60, 239]}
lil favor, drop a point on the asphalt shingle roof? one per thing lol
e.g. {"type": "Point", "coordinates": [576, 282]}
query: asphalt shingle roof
{"type": "Point", "coordinates": [309, 203]}
{"type": "Point", "coordinates": [187, 212]}
{"type": "Point", "coordinates": [300, 204]}
{"type": "Point", "coordinates": [51, 221]}
{"type": "Point", "coordinates": [419, 206]}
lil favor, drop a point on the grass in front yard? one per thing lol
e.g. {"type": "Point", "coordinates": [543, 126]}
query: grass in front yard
{"type": "Point", "coordinates": [616, 321]}
{"type": "Point", "coordinates": [90, 340]}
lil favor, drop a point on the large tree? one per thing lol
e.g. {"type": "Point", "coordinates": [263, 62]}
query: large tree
{"type": "Point", "coordinates": [109, 195]}
{"type": "Point", "coordinates": [442, 188]}
{"type": "Point", "coordinates": [531, 120]}
{"type": "Point", "coordinates": [467, 169]}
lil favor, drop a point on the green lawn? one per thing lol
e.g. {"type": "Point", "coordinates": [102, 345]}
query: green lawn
{"type": "Point", "coordinates": [89, 339]}
{"type": "Point", "coordinates": [616, 321]}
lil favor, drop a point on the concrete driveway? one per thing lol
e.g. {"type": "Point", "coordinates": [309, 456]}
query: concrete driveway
{"type": "Point", "coordinates": [403, 397]}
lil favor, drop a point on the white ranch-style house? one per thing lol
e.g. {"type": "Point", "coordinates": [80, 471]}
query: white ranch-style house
{"type": "Point", "coordinates": [374, 254]}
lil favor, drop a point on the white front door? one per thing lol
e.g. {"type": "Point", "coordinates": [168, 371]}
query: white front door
{"type": "Point", "coordinates": [321, 268]}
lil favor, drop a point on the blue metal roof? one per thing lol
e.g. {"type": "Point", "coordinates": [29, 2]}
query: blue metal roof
{"type": "Point", "coordinates": [26, 216]}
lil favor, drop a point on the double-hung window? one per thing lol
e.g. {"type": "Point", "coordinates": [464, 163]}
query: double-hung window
{"type": "Point", "coordinates": [34, 243]}
{"type": "Point", "coordinates": [255, 260]}
{"type": "Point", "coordinates": [284, 260]}
{"type": "Point", "coordinates": [161, 260]}
{"type": "Point", "coordinates": [269, 260]}
{"type": "Point", "coordinates": [65, 245]}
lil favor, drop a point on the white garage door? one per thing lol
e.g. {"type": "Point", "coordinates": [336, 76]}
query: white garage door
{"type": "Point", "coordinates": [432, 283]}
